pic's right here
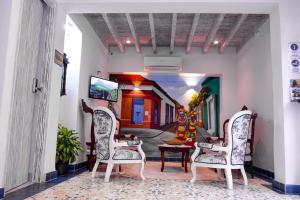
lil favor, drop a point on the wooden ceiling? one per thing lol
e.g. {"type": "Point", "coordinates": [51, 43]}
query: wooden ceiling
{"type": "Point", "coordinates": [175, 30]}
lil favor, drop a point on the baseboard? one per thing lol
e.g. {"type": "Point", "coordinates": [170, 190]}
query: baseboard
{"type": "Point", "coordinates": [286, 188]}
{"type": "Point", "coordinates": [1, 193]}
{"type": "Point", "coordinates": [277, 186]}
{"type": "Point", "coordinates": [262, 173]}
{"type": "Point", "coordinates": [51, 176]}
{"type": "Point", "coordinates": [76, 167]}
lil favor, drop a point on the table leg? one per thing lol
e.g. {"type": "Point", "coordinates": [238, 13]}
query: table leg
{"type": "Point", "coordinates": [187, 156]}
{"type": "Point", "coordinates": [182, 159]}
{"type": "Point", "coordinates": [91, 161]}
{"type": "Point", "coordinates": [162, 157]}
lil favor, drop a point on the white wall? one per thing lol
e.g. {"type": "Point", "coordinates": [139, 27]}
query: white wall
{"type": "Point", "coordinates": [255, 89]}
{"type": "Point", "coordinates": [93, 59]}
{"type": "Point", "coordinates": [5, 7]}
{"type": "Point", "coordinates": [54, 100]}
{"type": "Point", "coordinates": [9, 26]}
{"type": "Point", "coordinates": [195, 62]}
{"type": "Point", "coordinates": [69, 102]}
{"type": "Point", "coordinates": [289, 18]}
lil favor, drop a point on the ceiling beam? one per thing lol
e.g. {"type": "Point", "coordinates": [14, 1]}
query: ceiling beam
{"type": "Point", "coordinates": [173, 32]}
{"type": "Point", "coordinates": [192, 32]}
{"type": "Point", "coordinates": [212, 34]}
{"type": "Point", "coordinates": [133, 33]}
{"type": "Point", "coordinates": [152, 29]}
{"type": "Point", "coordinates": [113, 32]}
{"type": "Point", "coordinates": [254, 32]}
{"type": "Point", "coordinates": [233, 32]}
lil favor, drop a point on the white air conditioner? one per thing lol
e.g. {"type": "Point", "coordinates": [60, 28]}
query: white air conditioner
{"type": "Point", "coordinates": [163, 64]}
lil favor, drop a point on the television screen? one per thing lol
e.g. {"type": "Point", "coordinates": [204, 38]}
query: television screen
{"type": "Point", "coordinates": [103, 89]}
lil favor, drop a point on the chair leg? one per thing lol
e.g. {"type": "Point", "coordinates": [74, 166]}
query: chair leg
{"type": "Point", "coordinates": [229, 178]}
{"type": "Point", "coordinates": [95, 168]}
{"type": "Point", "coordinates": [251, 168]}
{"type": "Point", "coordinates": [142, 170]}
{"type": "Point", "coordinates": [219, 173]}
{"type": "Point", "coordinates": [193, 169]}
{"type": "Point", "coordinates": [244, 176]}
{"type": "Point", "coordinates": [117, 168]}
{"type": "Point", "coordinates": [108, 171]}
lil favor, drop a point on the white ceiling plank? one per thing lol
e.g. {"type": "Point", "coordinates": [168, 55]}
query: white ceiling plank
{"type": "Point", "coordinates": [173, 32]}
{"type": "Point", "coordinates": [133, 33]}
{"type": "Point", "coordinates": [152, 29]}
{"type": "Point", "coordinates": [213, 32]}
{"type": "Point", "coordinates": [232, 32]}
{"type": "Point", "coordinates": [192, 32]}
{"type": "Point", "coordinates": [113, 32]}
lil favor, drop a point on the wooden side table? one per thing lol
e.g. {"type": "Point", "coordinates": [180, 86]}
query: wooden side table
{"type": "Point", "coordinates": [183, 149]}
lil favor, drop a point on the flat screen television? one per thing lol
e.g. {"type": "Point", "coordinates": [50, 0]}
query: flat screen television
{"type": "Point", "coordinates": [103, 89]}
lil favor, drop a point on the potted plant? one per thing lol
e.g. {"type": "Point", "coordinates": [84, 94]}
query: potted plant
{"type": "Point", "coordinates": [67, 148]}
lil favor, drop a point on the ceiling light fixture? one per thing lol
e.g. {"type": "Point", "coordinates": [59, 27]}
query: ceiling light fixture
{"type": "Point", "coordinates": [216, 42]}
{"type": "Point", "coordinates": [128, 41]}
{"type": "Point", "coordinates": [136, 88]}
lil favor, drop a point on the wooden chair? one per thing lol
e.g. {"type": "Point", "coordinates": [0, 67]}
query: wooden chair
{"type": "Point", "coordinates": [250, 140]}
{"type": "Point", "coordinates": [108, 150]}
{"type": "Point", "coordinates": [91, 153]}
{"type": "Point", "coordinates": [231, 156]}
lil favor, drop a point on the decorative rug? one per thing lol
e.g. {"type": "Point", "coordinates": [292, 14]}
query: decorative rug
{"type": "Point", "coordinates": [169, 185]}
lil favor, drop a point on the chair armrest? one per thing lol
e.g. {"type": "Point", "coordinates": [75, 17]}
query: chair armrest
{"type": "Point", "coordinates": [134, 142]}
{"type": "Point", "coordinates": [219, 148]}
{"type": "Point", "coordinates": [129, 143]}
{"type": "Point", "coordinates": [205, 145]}
{"type": "Point", "coordinates": [212, 147]}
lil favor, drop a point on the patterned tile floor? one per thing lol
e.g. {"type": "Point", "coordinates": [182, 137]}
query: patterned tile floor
{"type": "Point", "coordinates": [128, 185]}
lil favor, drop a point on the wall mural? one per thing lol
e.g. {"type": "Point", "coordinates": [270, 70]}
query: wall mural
{"type": "Point", "coordinates": [169, 109]}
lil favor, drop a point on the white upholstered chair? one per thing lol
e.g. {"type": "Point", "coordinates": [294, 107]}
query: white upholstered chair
{"type": "Point", "coordinates": [227, 157]}
{"type": "Point", "coordinates": [108, 150]}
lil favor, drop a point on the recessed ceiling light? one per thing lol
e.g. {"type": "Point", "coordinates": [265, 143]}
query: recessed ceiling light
{"type": "Point", "coordinates": [216, 42]}
{"type": "Point", "coordinates": [128, 41]}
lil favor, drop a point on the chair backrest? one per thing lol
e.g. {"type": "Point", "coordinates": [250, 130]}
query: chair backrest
{"type": "Point", "coordinates": [104, 128]}
{"type": "Point", "coordinates": [238, 131]}
{"type": "Point", "coordinates": [250, 136]}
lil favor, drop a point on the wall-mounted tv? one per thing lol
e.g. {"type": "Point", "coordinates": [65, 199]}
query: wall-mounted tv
{"type": "Point", "coordinates": [103, 89]}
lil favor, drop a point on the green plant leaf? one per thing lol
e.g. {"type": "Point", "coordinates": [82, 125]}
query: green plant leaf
{"type": "Point", "coordinates": [68, 145]}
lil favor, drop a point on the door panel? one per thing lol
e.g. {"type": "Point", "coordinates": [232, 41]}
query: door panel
{"type": "Point", "coordinates": [171, 114]}
{"type": "Point", "coordinates": [138, 111]}
{"type": "Point", "coordinates": [155, 113]}
{"type": "Point", "coordinates": [167, 114]}
{"type": "Point", "coordinates": [23, 99]}
{"type": "Point", "coordinates": [211, 114]}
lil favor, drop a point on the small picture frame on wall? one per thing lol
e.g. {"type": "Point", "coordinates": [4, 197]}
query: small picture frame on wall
{"type": "Point", "coordinates": [295, 90]}
{"type": "Point", "coordinates": [58, 58]}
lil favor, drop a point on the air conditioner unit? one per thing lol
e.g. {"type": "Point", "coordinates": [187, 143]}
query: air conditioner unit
{"type": "Point", "coordinates": [163, 64]}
